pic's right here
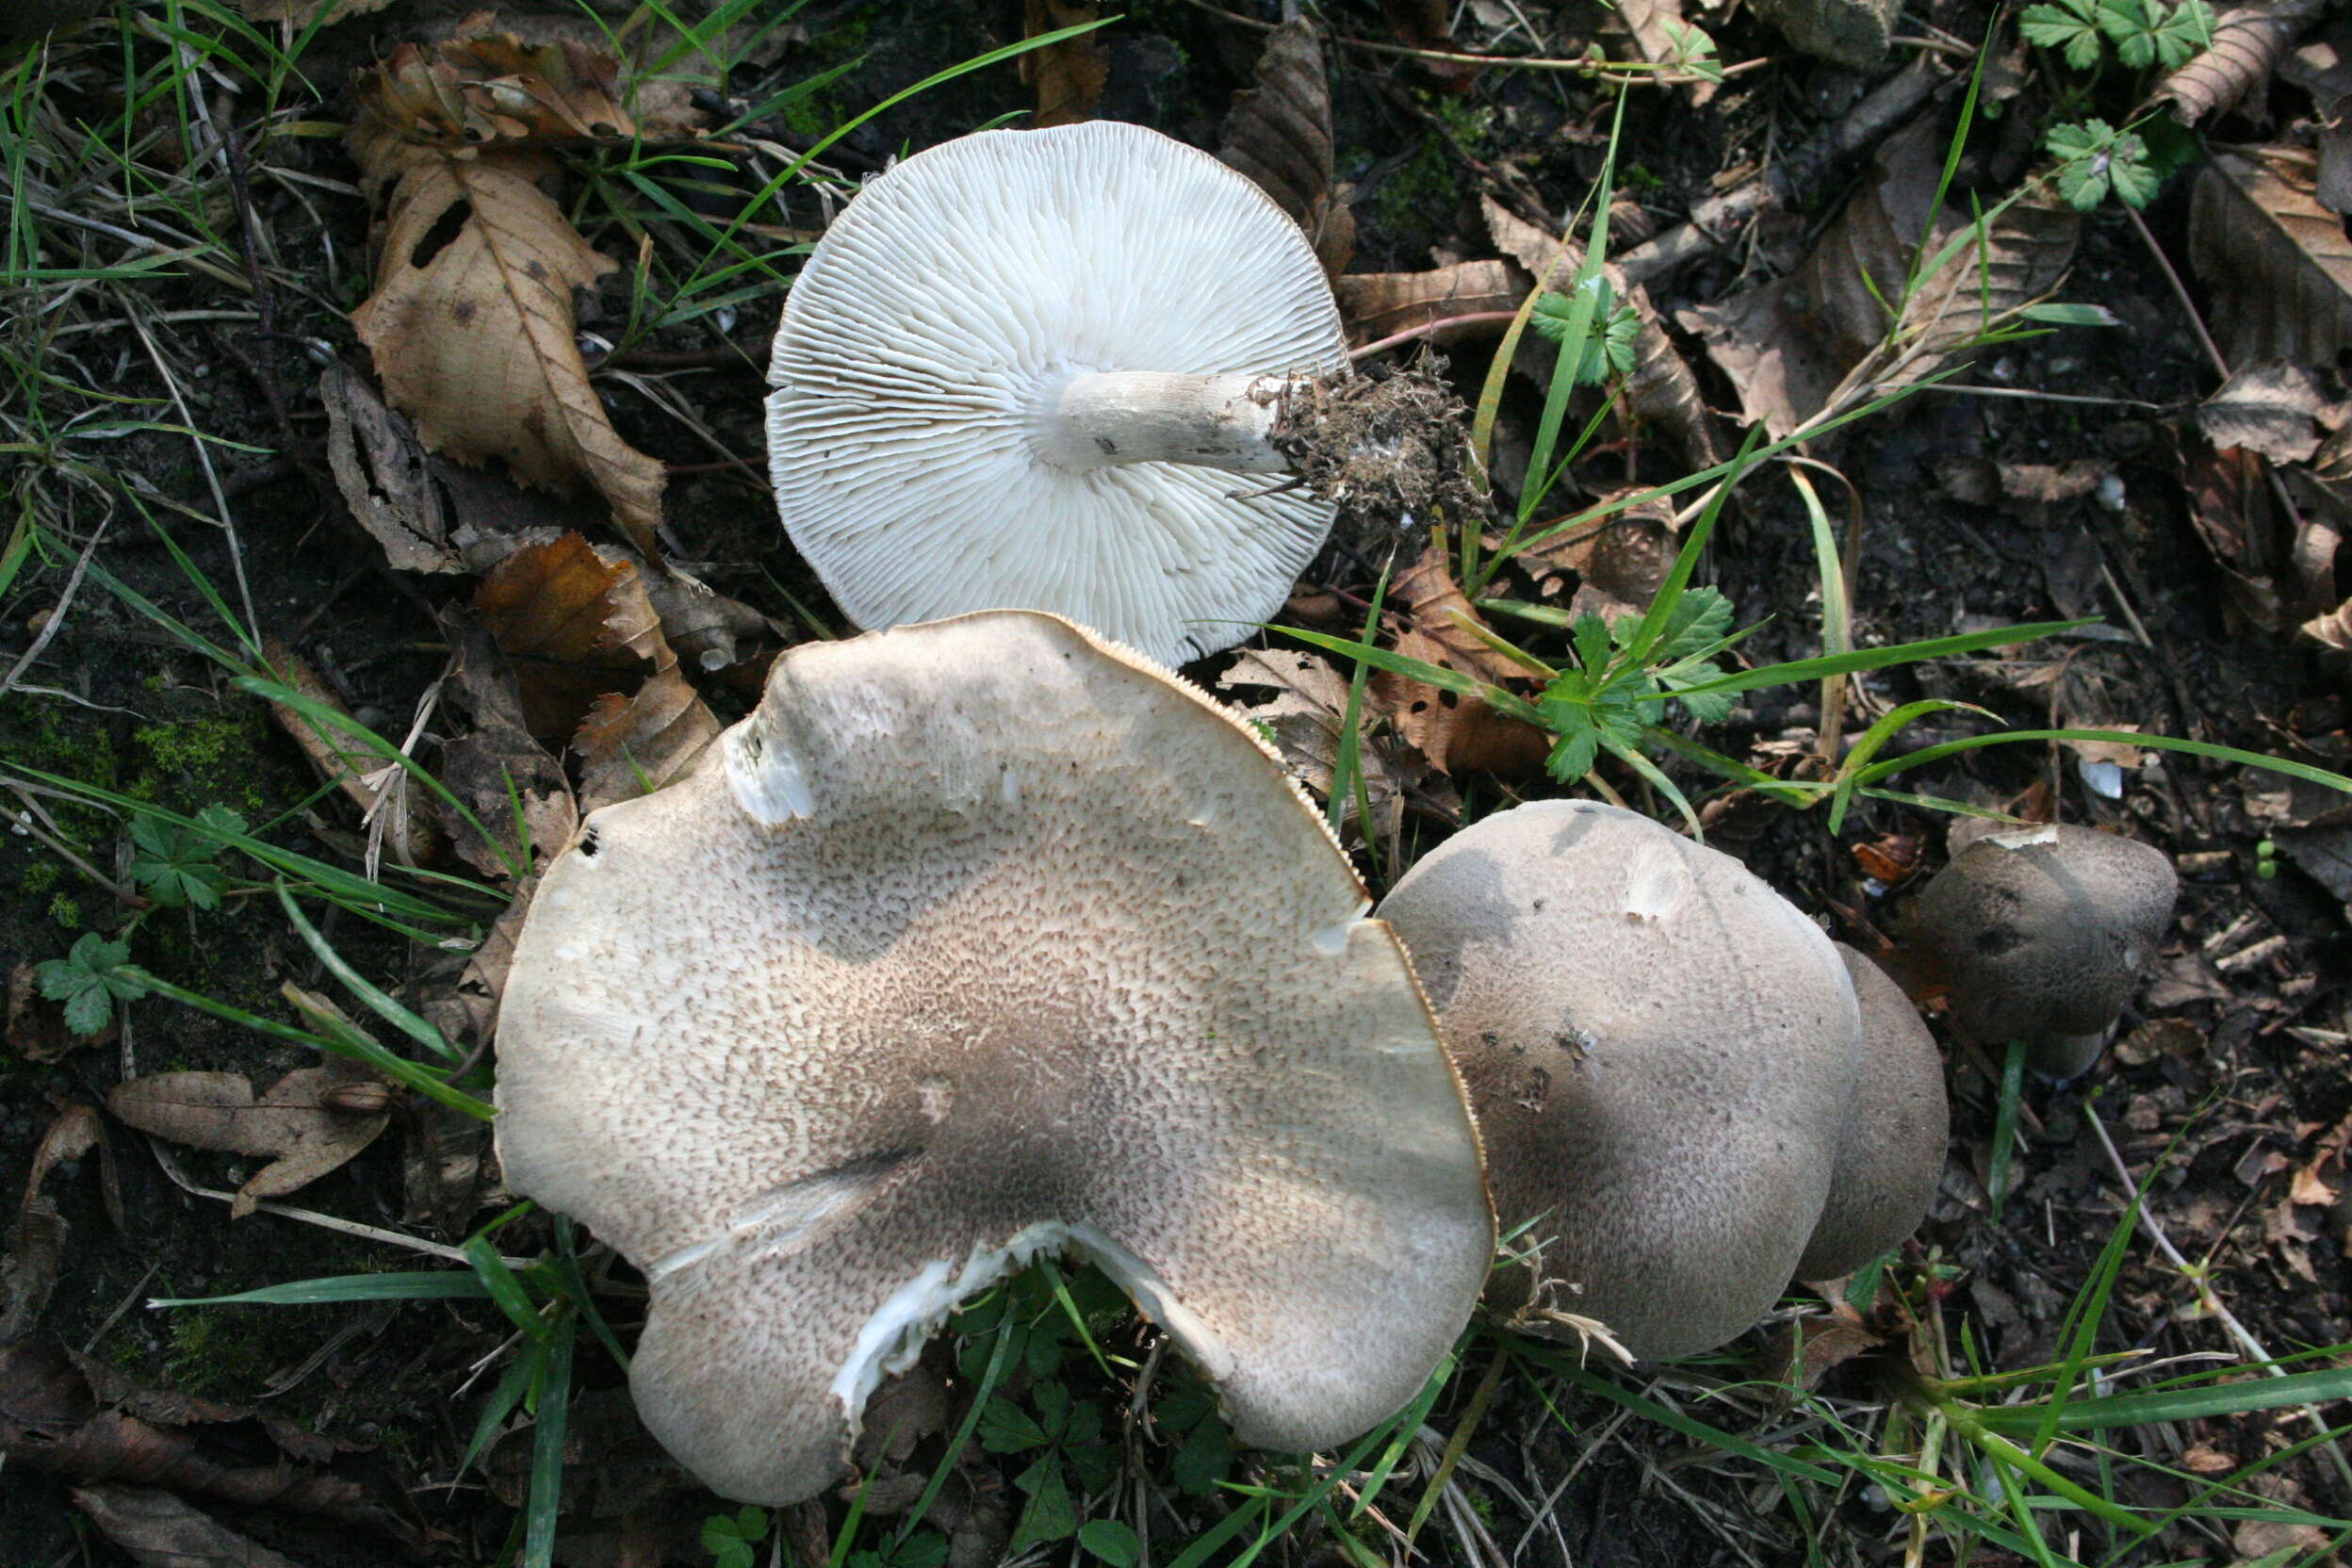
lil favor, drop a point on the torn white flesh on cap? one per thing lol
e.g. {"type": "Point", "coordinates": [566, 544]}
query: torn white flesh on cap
{"type": "Point", "coordinates": [983, 321]}
{"type": "Point", "coordinates": [985, 939]}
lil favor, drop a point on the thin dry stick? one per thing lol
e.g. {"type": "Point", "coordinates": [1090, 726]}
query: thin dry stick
{"type": "Point", "coordinates": [1471, 318]}
{"type": "Point", "coordinates": [204, 461]}
{"type": "Point", "coordinates": [2197, 1278]}
{"type": "Point", "coordinates": [56, 623]}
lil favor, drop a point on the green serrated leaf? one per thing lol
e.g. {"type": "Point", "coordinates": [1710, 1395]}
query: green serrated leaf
{"type": "Point", "coordinates": [1049, 1515]}
{"type": "Point", "coordinates": [1006, 1428]}
{"type": "Point", "coordinates": [1574, 753]}
{"type": "Point", "coordinates": [1114, 1542]}
{"type": "Point", "coordinates": [1204, 1459]}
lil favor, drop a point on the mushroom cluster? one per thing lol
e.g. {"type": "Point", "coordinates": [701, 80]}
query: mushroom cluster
{"type": "Point", "coordinates": [984, 940]}
{"type": "Point", "coordinates": [1665, 1157]}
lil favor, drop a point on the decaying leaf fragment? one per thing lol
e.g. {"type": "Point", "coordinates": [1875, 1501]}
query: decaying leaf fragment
{"type": "Point", "coordinates": [575, 626]}
{"type": "Point", "coordinates": [161, 1531]}
{"type": "Point", "coordinates": [1381, 304]}
{"type": "Point", "coordinates": [311, 1121]}
{"type": "Point", "coordinates": [514, 789]}
{"type": "Point", "coordinates": [1279, 133]}
{"type": "Point", "coordinates": [1068, 76]}
{"type": "Point", "coordinates": [382, 791]}
{"type": "Point", "coordinates": [1437, 624]}
{"type": "Point", "coordinates": [471, 320]}
{"type": "Point", "coordinates": [1300, 701]}
{"type": "Point", "coordinates": [1852, 33]}
{"type": "Point", "coordinates": [629, 747]}
{"type": "Point", "coordinates": [28, 1271]}
{"type": "Point", "coordinates": [2274, 408]}
{"type": "Point", "coordinates": [1819, 340]}
{"type": "Point", "coordinates": [2277, 261]}
{"type": "Point", "coordinates": [2247, 43]}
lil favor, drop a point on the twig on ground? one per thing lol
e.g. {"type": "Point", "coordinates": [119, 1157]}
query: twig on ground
{"type": "Point", "coordinates": [50, 627]}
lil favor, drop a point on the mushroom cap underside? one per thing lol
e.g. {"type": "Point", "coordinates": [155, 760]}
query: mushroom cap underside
{"type": "Point", "coordinates": [1661, 1052]}
{"type": "Point", "coordinates": [984, 940]}
{"type": "Point", "coordinates": [939, 316]}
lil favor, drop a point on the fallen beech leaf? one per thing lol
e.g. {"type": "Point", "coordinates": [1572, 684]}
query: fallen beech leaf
{"type": "Point", "coordinates": [497, 768]}
{"type": "Point", "coordinates": [1381, 304]}
{"type": "Point", "coordinates": [1279, 133]}
{"type": "Point", "coordinates": [2228, 506]}
{"type": "Point", "coordinates": [296, 1120]}
{"type": "Point", "coordinates": [2277, 262]}
{"type": "Point", "coordinates": [1825, 1346]}
{"type": "Point", "coordinates": [471, 322]}
{"type": "Point", "coordinates": [2273, 408]}
{"type": "Point", "coordinates": [1620, 565]}
{"type": "Point", "coordinates": [1305, 716]}
{"type": "Point", "coordinates": [704, 628]}
{"type": "Point", "coordinates": [1661, 388]}
{"type": "Point", "coordinates": [28, 1274]}
{"type": "Point", "coordinates": [1068, 74]}
{"type": "Point", "coordinates": [575, 626]}
{"type": "Point", "coordinates": [1662, 36]}
{"type": "Point", "coordinates": [383, 792]}
{"type": "Point", "coordinates": [161, 1531]}
{"type": "Point", "coordinates": [1818, 341]}
{"type": "Point", "coordinates": [1433, 622]}
{"type": "Point", "coordinates": [2247, 43]}
{"type": "Point", "coordinates": [633, 745]}
{"type": "Point", "coordinates": [2323, 848]}
{"type": "Point", "coordinates": [384, 478]}
{"type": "Point", "coordinates": [79, 1420]}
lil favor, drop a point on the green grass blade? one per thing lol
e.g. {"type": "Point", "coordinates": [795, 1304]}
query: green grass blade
{"type": "Point", "coordinates": [378, 1002]}
{"type": "Point", "coordinates": [443, 1284]}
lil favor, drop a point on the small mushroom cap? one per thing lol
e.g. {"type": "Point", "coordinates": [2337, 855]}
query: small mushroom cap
{"type": "Point", "coordinates": [985, 940]}
{"type": "Point", "coordinates": [1661, 1052]}
{"type": "Point", "coordinates": [2044, 931]}
{"type": "Point", "coordinates": [1891, 1156]}
{"type": "Point", "coordinates": [944, 310]}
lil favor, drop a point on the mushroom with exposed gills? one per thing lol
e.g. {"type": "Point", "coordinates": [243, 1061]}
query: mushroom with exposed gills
{"type": "Point", "coordinates": [984, 940]}
{"type": "Point", "coordinates": [1663, 1054]}
{"type": "Point", "coordinates": [1048, 369]}
{"type": "Point", "coordinates": [2041, 934]}
{"type": "Point", "coordinates": [1890, 1155]}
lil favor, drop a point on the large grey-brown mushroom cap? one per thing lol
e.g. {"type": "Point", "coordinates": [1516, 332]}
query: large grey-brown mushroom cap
{"type": "Point", "coordinates": [926, 347]}
{"type": "Point", "coordinates": [1661, 1052]}
{"type": "Point", "coordinates": [2042, 933]}
{"type": "Point", "coordinates": [985, 939]}
{"type": "Point", "coordinates": [1891, 1156]}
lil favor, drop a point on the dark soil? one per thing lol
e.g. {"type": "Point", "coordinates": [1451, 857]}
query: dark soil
{"type": "Point", "coordinates": [2222, 1086]}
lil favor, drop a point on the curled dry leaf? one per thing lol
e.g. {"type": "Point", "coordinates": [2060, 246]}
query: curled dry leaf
{"type": "Point", "coordinates": [1301, 702]}
{"type": "Point", "coordinates": [1661, 389]}
{"type": "Point", "coordinates": [1068, 74]}
{"type": "Point", "coordinates": [2274, 408]}
{"type": "Point", "coordinates": [1436, 624]}
{"type": "Point", "coordinates": [299, 1119]}
{"type": "Point", "coordinates": [2247, 41]}
{"type": "Point", "coordinates": [633, 745]}
{"type": "Point", "coordinates": [28, 1272]}
{"type": "Point", "coordinates": [1381, 304]}
{"type": "Point", "coordinates": [384, 477]}
{"type": "Point", "coordinates": [161, 1531]}
{"type": "Point", "coordinates": [1279, 133]}
{"type": "Point", "coordinates": [575, 625]}
{"type": "Point", "coordinates": [471, 322]}
{"type": "Point", "coordinates": [79, 1420]}
{"type": "Point", "coordinates": [383, 792]}
{"type": "Point", "coordinates": [2277, 262]}
{"type": "Point", "coordinates": [1818, 341]}
{"type": "Point", "coordinates": [497, 769]}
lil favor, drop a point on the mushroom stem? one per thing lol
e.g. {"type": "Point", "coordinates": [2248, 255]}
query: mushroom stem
{"type": "Point", "coordinates": [1103, 418]}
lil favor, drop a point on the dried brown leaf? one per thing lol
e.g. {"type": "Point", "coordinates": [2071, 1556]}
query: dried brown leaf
{"type": "Point", "coordinates": [575, 626]}
{"type": "Point", "coordinates": [2273, 408]}
{"type": "Point", "coordinates": [1655, 24]}
{"type": "Point", "coordinates": [2277, 262]}
{"type": "Point", "coordinates": [1820, 339]}
{"type": "Point", "coordinates": [2247, 43]}
{"type": "Point", "coordinates": [79, 1420]}
{"type": "Point", "coordinates": [471, 322]}
{"type": "Point", "coordinates": [1620, 563]}
{"type": "Point", "coordinates": [160, 1531]}
{"type": "Point", "coordinates": [2333, 629]}
{"type": "Point", "coordinates": [298, 1119]}
{"type": "Point", "coordinates": [1379, 304]}
{"type": "Point", "coordinates": [704, 628]}
{"type": "Point", "coordinates": [28, 1272]}
{"type": "Point", "coordinates": [513, 787]}
{"type": "Point", "coordinates": [1661, 388]}
{"type": "Point", "coordinates": [1306, 717]}
{"type": "Point", "coordinates": [1279, 133]}
{"type": "Point", "coordinates": [1433, 622]}
{"type": "Point", "coordinates": [383, 792]}
{"type": "Point", "coordinates": [383, 476]}
{"type": "Point", "coordinates": [1069, 74]}
{"type": "Point", "coordinates": [633, 745]}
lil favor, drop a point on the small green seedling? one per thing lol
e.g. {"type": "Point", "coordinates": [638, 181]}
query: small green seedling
{"type": "Point", "coordinates": [1610, 343]}
{"type": "Point", "coordinates": [2144, 32]}
{"type": "Point", "coordinates": [2094, 158]}
{"type": "Point", "coordinates": [730, 1538]}
{"type": "Point", "coordinates": [2265, 859]}
{"type": "Point", "coordinates": [178, 866]}
{"type": "Point", "coordinates": [89, 981]}
{"type": "Point", "coordinates": [1599, 702]}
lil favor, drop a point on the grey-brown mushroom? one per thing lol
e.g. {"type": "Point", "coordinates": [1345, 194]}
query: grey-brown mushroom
{"type": "Point", "coordinates": [2041, 934]}
{"type": "Point", "coordinates": [981, 939]}
{"type": "Point", "coordinates": [1890, 1155]}
{"type": "Point", "coordinates": [1662, 1053]}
